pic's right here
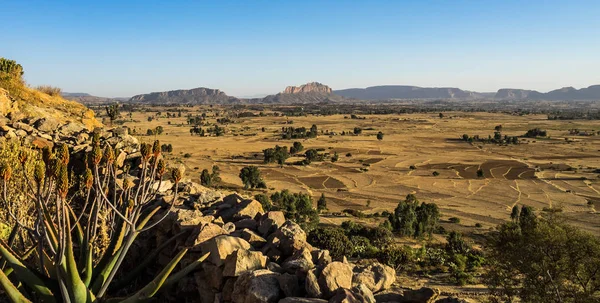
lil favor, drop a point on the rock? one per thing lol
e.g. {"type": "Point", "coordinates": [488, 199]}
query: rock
{"type": "Point", "coordinates": [247, 209]}
{"type": "Point", "coordinates": [301, 261]}
{"type": "Point", "coordinates": [270, 222]}
{"type": "Point", "coordinates": [222, 246]}
{"type": "Point", "coordinates": [301, 300]}
{"type": "Point", "coordinates": [162, 186]}
{"type": "Point", "coordinates": [204, 290]}
{"type": "Point", "coordinates": [71, 128]}
{"type": "Point", "coordinates": [39, 143]}
{"type": "Point", "coordinates": [23, 126]}
{"type": "Point", "coordinates": [229, 227]}
{"type": "Point", "coordinates": [364, 292]}
{"type": "Point", "coordinates": [291, 238]}
{"type": "Point", "coordinates": [243, 260]}
{"type": "Point", "coordinates": [121, 131]}
{"type": "Point", "coordinates": [228, 288]}
{"type": "Point", "coordinates": [121, 159]}
{"type": "Point", "coordinates": [343, 295]}
{"type": "Point", "coordinates": [311, 284]}
{"type": "Point", "coordinates": [335, 275]}
{"type": "Point", "coordinates": [246, 223]}
{"type": "Point", "coordinates": [20, 133]}
{"type": "Point", "coordinates": [252, 238]}
{"type": "Point", "coordinates": [128, 144]}
{"type": "Point", "coordinates": [213, 275]}
{"type": "Point", "coordinates": [233, 199]}
{"type": "Point", "coordinates": [321, 257]}
{"type": "Point", "coordinates": [313, 87]}
{"type": "Point", "coordinates": [375, 276]}
{"type": "Point", "coordinates": [289, 284]}
{"type": "Point", "coordinates": [422, 295]}
{"type": "Point", "coordinates": [189, 218]}
{"type": "Point", "coordinates": [47, 125]}
{"type": "Point", "coordinates": [260, 286]}
{"type": "Point", "coordinates": [274, 267]}
{"type": "Point", "coordinates": [205, 233]}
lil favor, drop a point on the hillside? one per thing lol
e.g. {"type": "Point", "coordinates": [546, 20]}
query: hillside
{"type": "Point", "coordinates": [89, 99]}
{"type": "Point", "coordinates": [200, 95]}
{"type": "Point", "coordinates": [591, 93]}
{"type": "Point", "coordinates": [20, 103]}
{"type": "Point", "coordinates": [406, 92]}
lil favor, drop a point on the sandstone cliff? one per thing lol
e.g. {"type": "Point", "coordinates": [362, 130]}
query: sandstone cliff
{"type": "Point", "coordinates": [313, 87]}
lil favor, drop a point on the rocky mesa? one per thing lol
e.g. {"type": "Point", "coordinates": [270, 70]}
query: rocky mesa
{"type": "Point", "coordinates": [200, 95]}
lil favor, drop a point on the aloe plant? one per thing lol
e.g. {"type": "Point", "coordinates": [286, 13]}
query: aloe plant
{"type": "Point", "coordinates": [71, 256]}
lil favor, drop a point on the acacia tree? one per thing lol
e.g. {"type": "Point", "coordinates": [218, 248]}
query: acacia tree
{"type": "Point", "coordinates": [251, 177]}
{"type": "Point", "coordinates": [379, 136]}
{"type": "Point", "coordinates": [322, 203]}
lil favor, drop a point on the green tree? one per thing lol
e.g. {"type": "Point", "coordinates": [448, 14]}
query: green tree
{"type": "Point", "coordinates": [357, 130]}
{"type": "Point", "coordinates": [205, 178]}
{"type": "Point", "coordinates": [322, 203]}
{"type": "Point", "coordinates": [379, 136]}
{"type": "Point", "coordinates": [251, 177]}
{"type": "Point", "coordinates": [550, 262]}
{"type": "Point", "coordinates": [112, 111]}
{"type": "Point", "coordinates": [514, 215]}
{"type": "Point", "coordinates": [333, 239]}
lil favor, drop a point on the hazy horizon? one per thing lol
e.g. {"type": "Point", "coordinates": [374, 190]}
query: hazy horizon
{"type": "Point", "coordinates": [115, 49]}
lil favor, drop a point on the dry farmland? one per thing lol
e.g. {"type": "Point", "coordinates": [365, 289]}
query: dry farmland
{"type": "Point", "coordinates": [557, 172]}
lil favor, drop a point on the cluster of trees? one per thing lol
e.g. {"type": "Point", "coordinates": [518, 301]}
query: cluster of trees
{"type": "Point", "coordinates": [278, 154]}
{"type": "Point", "coordinates": [251, 177]}
{"type": "Point", "coordinates": [497, 138]}
{"type": "Point", "coordinates": [196, 130]}
{"type": "Point", "coordinates": [535, 132]}
{"type": "Point", "coordinates": [299, 132]}
{"type": "Point", "coordinates": [155, 131]}
{"type": "Point", "coordinates": [215, 130]}
{"type": "Point", "coordinates": [414, 219]}
{"type": "Point", "coordinates": [297, 207]}
{"type": "Point", "coordinates": [209, 179]}
{"type": "Point", "coordinates": [542, 259]}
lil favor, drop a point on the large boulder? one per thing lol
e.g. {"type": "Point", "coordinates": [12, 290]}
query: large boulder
{"type": "Point", "coordinates": [203, 234]}
{"type": "Point", "coordinates": [290, 285]}
{"type": "Point", "coordinates": [344, 295]}
{"type": "Point", "coordinates": [247, 209]}
{"type": "Point", "coordinates": [252, 238]}
{"type": "Point", "coordinates": [259, 286]}
{"type": "Point", "coordinates": [243, 260]}
{"type": "Point", "coordinates": [270, 222]}
{"type": "Point", "coordinates": [301, 261]}
{"type": "Point", "coordinates": [311, 284]}
{"type": "Point", "coordinates": [364, 292]}
{"type": "Point", "coordinates": [222, 246]}
{"type": "Point", "coordinates": [375, 276]}
{"type": "Point", "coordinates": [46, 124]}
{"type": "Point", "coordinates": [334, 276]}
{"type": "Point", "coordinates": [289, 238]}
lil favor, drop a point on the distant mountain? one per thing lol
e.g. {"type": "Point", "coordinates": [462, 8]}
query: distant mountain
{"type": "Point", "coordinates": [406, 92]}
{"type": "Point", "coordinates": [200, 95]}
{"type": "Point", "coordinates": [566, 94]}
{"type": "Point", "coordinates": [313, 92]}
{"type": "Point", "coordinates": [85, 98]}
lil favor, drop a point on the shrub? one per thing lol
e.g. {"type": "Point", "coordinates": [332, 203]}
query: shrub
{"type": "Point", "coordinates": [396, 256]}
{"type": "Point", "coordinates": [251, 177]}
{"type": "Point", "coordinates": [332, 239]}
{"type": "Point", "coordinates": [49, 90]}
{"type": "Point", "coordinates": [454, 220]}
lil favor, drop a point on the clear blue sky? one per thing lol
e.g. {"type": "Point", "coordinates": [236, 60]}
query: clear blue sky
{"type": "Point", "coordinates": [122, 48]}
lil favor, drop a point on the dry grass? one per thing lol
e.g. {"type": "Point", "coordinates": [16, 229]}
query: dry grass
{"type": "Point", "coordinates": [423, 140]}
{"type": "Point", "coordinates": [49, 90]}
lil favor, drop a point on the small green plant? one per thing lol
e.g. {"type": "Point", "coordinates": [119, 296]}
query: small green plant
{"type": "Point", "coordinates": [454, 220]}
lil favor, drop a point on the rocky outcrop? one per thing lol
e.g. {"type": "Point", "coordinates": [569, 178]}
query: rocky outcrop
{"type": "Point", "coordinates": [313, 87]}
{"type": "Point", "coordinates": [591, 93]}
{"type": "Point", "coordinates": [200, 95]}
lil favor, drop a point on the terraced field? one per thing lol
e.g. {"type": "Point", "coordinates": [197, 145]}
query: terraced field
{"type": "Point", "coordinates": [543, 173]}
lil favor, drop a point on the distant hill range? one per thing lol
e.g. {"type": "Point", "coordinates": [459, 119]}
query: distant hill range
{"type": "Point", "coordinates": [406, 92]}
{"type": "Point", "coordinates": [89, 99]}
{"type": "Point", "coordinates": [565, 93]}
{"type": "Point", "coordinates": [315, 92]}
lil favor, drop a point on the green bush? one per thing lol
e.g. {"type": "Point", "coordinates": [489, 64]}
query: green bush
{"type": "Point", "coordinates": [332, 239]}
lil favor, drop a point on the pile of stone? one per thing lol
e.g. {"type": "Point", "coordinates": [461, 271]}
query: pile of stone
{"type": "Point", "coordinates": [257, 256]}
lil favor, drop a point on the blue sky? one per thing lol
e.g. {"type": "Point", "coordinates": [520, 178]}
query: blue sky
{"type": "Point", "coordinates": [122, 48]}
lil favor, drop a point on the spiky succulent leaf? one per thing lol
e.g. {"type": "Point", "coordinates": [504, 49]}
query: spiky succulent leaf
{"type": "Point", "coordinates": [11, 291]}
{"type": "Point", "coordinates": [26, 276]}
